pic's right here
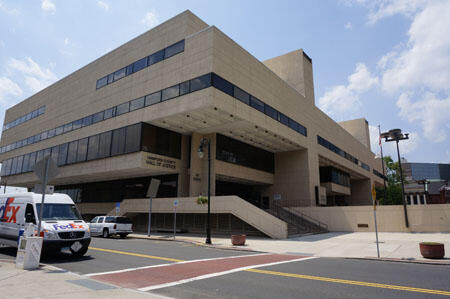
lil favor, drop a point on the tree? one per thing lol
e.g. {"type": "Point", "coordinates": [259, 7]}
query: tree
{"type": "Point", "coordinates": [393, 184]}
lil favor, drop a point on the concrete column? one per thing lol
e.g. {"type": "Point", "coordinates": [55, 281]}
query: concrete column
{"type": "Point", "coordinates": [418, 199]}
{"type": "Point", "coordinates": [183, 176]}
{"type": "Point", "coordinates": [199, 167]}
{"type": "Point", "coordinates": [361, 192]}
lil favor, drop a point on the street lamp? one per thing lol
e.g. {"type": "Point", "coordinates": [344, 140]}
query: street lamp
{"type": "Point", "coordinates": [206, 142]}
{"type": "Point", "coordinates": [397, 135]}
{"type": "Point", "coordinates": [424, 182]}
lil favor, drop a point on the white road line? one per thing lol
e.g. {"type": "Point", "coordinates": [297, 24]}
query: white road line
{"type": "Point", "coordinates": [171, 284]}
{"type": "Point", "coordinates": [176, 263]}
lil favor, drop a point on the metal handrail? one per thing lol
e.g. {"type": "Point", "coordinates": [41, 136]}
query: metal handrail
{"type": "Point", "coordinates": [309, 218]}
{"type": "Point", "coordinates": [296, 217]}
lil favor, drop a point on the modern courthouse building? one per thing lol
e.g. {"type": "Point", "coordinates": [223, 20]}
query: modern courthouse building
{"type": "Point", "coordinates": [142, 110]}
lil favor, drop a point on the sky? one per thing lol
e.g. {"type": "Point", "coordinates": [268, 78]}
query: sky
{"type": "Point", "coordinates": [385, 60]}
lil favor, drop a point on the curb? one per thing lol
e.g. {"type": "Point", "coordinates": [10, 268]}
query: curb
{"type": "Point", "coordinates": [224, 247]}
{"type": "Point", "coordinates": [405, 260]}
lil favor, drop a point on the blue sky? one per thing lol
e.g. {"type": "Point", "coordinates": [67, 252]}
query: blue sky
{"type": "Point", "coordinates": [387, 60]}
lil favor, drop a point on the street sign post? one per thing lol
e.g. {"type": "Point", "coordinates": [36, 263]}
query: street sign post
{"type": "Point", "coordinates": [175, 205]}
{"type": "Point", "coordinates": [374, 198]}
{"type": "Point", "coordinates": [151, 192]}
{"type": "Point", "coordinates": [45, 170]}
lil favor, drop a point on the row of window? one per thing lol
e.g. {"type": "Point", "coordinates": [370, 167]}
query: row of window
{"type": "Point", "coordinates": [141, 64]}
{"type": "Point", "coordinates": [325, 143]}
{"type": "Point", "coordinates": [331, 174]}
{"type": "Point", "coordinates": [125, 140]}
{"type": "Point", "coordinates": [177, 90]}
{"type": "Point", "coordinates": [246, 98]}
{"type": "Point", "coordinates": [27, 117]}
{"type": "Point", "coordinates": [240, 153]}
{"type": "Point", "coordinates": [378, 174]}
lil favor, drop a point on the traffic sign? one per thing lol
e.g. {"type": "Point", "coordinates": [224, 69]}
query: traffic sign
{"type": "Point", "coordinates": [175, 203]}
{"type": "Point", "coordinates": [153, 188]}
{"type": "Point", "coordinates": [117, 208]}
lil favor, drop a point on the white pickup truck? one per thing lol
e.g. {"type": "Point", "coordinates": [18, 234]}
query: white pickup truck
{"type": "Point", "coordinates": [111, 225]}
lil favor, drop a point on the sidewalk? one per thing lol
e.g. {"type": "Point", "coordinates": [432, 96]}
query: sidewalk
{"type": "Point", "coordinates": [50, 282]}
{"type": "Point", "coordinates": [393, 246]}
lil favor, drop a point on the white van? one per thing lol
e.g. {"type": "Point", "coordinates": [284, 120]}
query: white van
{"type": "Point", "coordinates": [62, 226]}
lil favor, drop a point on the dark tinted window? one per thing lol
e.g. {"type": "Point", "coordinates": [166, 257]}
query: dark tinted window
{"type": "Point", "coordinates": [184, 88]}
{"type": "Point", "coordinates": [201, 82]}
{"type": "Point", "coordinates": [161, 141]}
{"type": "Point", "coordinates": [44, 135]}
{"type": "Point", "coordinates": [87, 121]}
{"type": "Point", "coordinates": [123, 108]}
{"type": "Point", "coordinates": [111, 112]}
{"type": "Point", "coordinates": [222, 84]}
{"type": "Point", "coordinates": [119, 74]}
{"type": "Point", "coordinates": [174, 49]}
{"type": "Point", "coordinates": [67, 127]}
{"type": "Point", "coordinates": [102, 82]}
{"type": "Point", "coordinates": [129, 70]}
{"type": "Point", "coordinates": [51, 133]}
{"type": "Point", "coordinates": [33, 115]}
{"type": "Point", "coordinates": [104, 148]}
{"type": "Point", "coordinates": [39, 156]}
{"type": "Point", "coordinates": [93, 147]}
{"type": "Point", "coordinates": [14, 165]}
{"type": "Point", "coordinates": [19, 164]}
{"type": "Point", "coordinates": [257, 104]}
{"type": "Point", "coordinates": [170, 92]}
{"type": "Point", "coordinates": [118, 142]}
{"type": "Point", "coordinates": [26, 163]}
{"type": "Point", "coordinates": [271, 112]}
{"type": "Point", "coordinates": [153, 98]}
{"type": "Point", "coordinates": [140, 64]}
{"type": "Point", "coordinates": [156, 57]}
{"type": "Point", "coordinates": [47, 152]}
{"type": "Point", "coordinates": [59, 130]}
{"type": "Point", "coordinates": [37, 138]}
{"type": "Point", "coordinates": [97, 117]}
{"type": "Point", "coordinates": [32, 161]}
{"type": "Point", "coordinates": [62, 154]}
{"type": "Point", "coordinates": [241, 95]}
{"type": "Point", "coordinates": [110, 78]}
{"type": "Point", "coordinates": [133, 138]}
{"type": "Point", "coordinates": [40, 111]}
{"type": "Point", "coordinates": [77, 124]}
{"type": "Point", "coordinates": [137, 104]}
{"type": "Point", "coordinates": [240, 153]}
{"type": "Point", "coordinates": [72, 152]}
{"type": "Point", "coordinates": [82, 150]}
{"type": "Point", "coordinates": [55, 152]}
{"type": "Point", "coordinates": [283, 119]}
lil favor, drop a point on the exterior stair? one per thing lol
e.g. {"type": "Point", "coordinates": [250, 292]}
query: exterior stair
{"type": "Point", "coordinates": [299, 224]}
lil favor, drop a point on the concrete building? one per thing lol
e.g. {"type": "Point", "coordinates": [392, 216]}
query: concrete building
{"type": "Point", "coordinates": [141, 111]}
{"type": "Point", "coordinates": [427, 183]}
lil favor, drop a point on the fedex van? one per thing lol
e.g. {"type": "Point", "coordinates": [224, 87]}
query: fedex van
{"type": "Point", "coordinates": [62, 226]}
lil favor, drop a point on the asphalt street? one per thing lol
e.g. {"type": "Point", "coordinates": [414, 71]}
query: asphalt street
{"type": "Point", "coordinates": [183, 270]}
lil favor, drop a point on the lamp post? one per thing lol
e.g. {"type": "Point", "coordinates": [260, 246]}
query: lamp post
{"type": "Point", "coordinates": [397, 135]}
{"type": "Point", "coordinates": [207, 142]}
{"type": "Point", "coordinates": [424, 182]}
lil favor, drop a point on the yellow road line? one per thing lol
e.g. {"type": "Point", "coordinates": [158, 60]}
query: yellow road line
{"type": "Point", "coordinates": [352, 282]}
{"type": "Point", "coordinates": [137, 254]}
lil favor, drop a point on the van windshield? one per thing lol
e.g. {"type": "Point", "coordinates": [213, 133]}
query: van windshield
{"type": "Point", "coordinates": [57, 211]}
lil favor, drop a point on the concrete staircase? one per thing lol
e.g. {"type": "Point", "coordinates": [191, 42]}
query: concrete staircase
{"type": "Point", "coordinates": [299, 224]}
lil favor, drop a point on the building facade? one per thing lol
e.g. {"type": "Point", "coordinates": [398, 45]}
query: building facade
{"type": "Point", "coordinates": [141, 111]}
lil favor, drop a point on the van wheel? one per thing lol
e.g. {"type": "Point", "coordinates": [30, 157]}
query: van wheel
{"type": "Point", "coordinates": [105, 233]}
{"type": "Point", "coordinates": [79, 253]}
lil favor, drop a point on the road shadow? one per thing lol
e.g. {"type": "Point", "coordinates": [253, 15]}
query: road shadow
{"type": "Point", "coordinates": [318, 237]}
{"type": "Point", "coordinates": [48, 257]}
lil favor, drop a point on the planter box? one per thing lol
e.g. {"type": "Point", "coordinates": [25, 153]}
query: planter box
{"type": "Point", "coordinates": [431, 250]}
{"type": "Point", "coordinates": [238, 240]}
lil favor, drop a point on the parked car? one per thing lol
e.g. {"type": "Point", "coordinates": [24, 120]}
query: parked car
{"type": "Point", "coordinates": [111, 225]}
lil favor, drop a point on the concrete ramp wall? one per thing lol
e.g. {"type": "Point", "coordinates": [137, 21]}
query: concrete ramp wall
{"type": "Point", "coordinates": [261, 220]}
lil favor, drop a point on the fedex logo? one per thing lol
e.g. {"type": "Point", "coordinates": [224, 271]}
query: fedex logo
{"type": "Point", "coordinates": [7, 212]}
{"type": "Point", "coordinates": [68, 226]}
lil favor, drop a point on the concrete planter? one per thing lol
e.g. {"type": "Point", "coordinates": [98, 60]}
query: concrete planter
{"type": "Point", "coordinates": [432, 250]}
{"type": "Point", "coordinates": [238, 240]}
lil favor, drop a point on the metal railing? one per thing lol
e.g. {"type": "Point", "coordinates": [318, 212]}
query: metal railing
{"type": "Point", "coordinates": [303, 222]}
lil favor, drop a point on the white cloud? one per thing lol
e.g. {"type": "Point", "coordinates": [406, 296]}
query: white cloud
{"type": "Point", "coordinates": [346, 99]}
{"type": "Point", "coordinates": [36, 78]}
{"type": "Point", "coordinates": [7, 10]}
{"type": "Point", "coordinates": [348, 25]}
{"type": "Point", "coordinates": [8, 88]}
{"type": "Point", "coordinates": [103, 5]}
{"type": "Point", "coordinates": [425, 61]}
{"type": "Point", "coordinates": [48, 6]}
{"type": "Point", "coordinates": [432, 113]}
{"type": "Point", "coordinates": [150, 19]}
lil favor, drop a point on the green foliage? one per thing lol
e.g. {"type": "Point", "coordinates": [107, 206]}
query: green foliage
{"type": "Point", "coordinates": [393, 185]}
{"type": "Point", "coordinates": [201, 200]}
